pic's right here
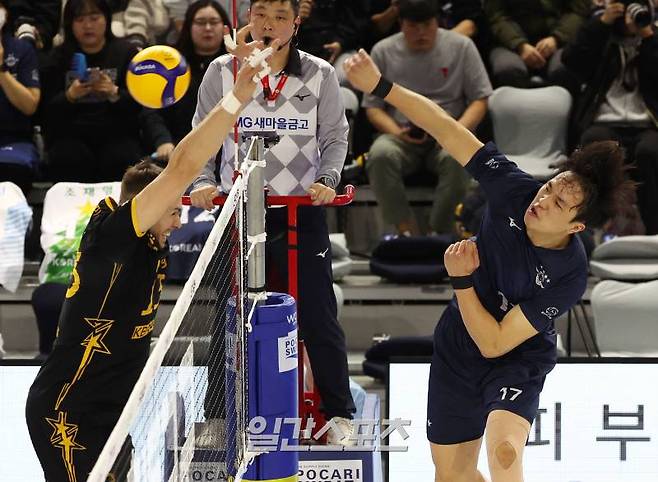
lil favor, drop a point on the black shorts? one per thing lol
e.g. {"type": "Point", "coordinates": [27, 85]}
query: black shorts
{"type": "Point", "coordinates": [464, 390]}
{"type": "Point", "coordinates": [67, 442]}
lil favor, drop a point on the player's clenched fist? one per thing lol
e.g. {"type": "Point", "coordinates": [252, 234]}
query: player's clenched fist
{"type": "Point", "coordinates": [461, 258]}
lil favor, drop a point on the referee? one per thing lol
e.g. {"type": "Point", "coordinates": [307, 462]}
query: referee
{"type": "Point", "coordinates": [300, 102]}
{"type": "Point", "coordinates": [109, 312]}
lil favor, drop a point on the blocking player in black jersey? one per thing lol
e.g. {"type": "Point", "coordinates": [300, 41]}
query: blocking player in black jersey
{"type": "Point", "coordinates": [496, 341]}
{"type": "Point", "coordinates": [109, 312]}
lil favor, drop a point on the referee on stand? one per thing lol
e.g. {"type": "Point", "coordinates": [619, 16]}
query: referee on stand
{"type": "Point", "coordinates": [301, 103]}
{"type": "Point", "coordinates": [109, 312]}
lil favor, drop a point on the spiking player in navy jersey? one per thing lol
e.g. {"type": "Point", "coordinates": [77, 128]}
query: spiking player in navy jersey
{"type": "Point", "coordinates": [496, 341]}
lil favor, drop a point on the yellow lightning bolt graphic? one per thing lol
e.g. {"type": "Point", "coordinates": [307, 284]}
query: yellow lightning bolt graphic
{"type": "Point", "coordinates": [93, 344]}
{"type": "Point", "coordinates": [63, 437]}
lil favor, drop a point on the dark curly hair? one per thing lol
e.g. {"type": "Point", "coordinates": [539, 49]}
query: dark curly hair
{"type": "Point", "coordinates": [602, 173]}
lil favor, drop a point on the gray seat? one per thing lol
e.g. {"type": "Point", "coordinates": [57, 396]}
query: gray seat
{"type": "Point", "coordinates": [530, 126]}
{"type": "Point", "coordinates": [626, 318]}
{"type": "Point", "coordinates": [630, 258]}
{"type": "Point", "coordinates": [341, 263]}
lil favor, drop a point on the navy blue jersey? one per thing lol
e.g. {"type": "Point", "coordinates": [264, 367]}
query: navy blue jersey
{"type": "Point", "coordinates": [21, 61]}
{"type": "Point", "coordinates": [545, 283]}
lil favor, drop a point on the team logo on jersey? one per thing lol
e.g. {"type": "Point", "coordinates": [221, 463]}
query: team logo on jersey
{"type": "Point", "coordinates": [492, 163]}
{"type": "Point", "coordinates": [550, 312]}
{"type": "Point", "coordinates": [541, 278]}
{"type": "Point", "coordinates": [505, 305]}
{"type": "Point", "coordinates": [512, 224]}
{"type": "Point", "coordinates": [11, 60]}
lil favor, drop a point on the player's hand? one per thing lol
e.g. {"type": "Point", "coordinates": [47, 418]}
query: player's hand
{"type": "Point", "coordinates": [245, 83]}
{"type": "Point", "coordinates": [461, 258]}
{"type": "Point", "coordinates": [241, 48]}
{"type": "Point", "coordinates": [321, 194]}
{"type": "Point", "coordinates": [404, 136]}
{"type": "Point", "coordinates": [531, 56]}
{"type": "Point", "coordinates": [612, 12]}
{"type": "Point", "coordinates": [202, 197]}
{"type": "Point", "coordinates": [362, 72]}
{"type": "Point", "coordinates": [334, 48]}
{"type": "Point", "coordinates": [305, 8]}
{"type": "Point", "coordinates": [547, 46]}
{"type": "Point", "coordinates": [77, 90]}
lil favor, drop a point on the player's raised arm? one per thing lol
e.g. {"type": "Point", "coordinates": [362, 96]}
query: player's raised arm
{"type": "Point", "coordinates": [456, 139]}
{"type": "Point", "coordinates": [193, 151]}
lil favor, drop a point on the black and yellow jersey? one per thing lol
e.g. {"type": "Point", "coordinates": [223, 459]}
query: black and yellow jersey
{"type": "Point", "coordinates": [109, 313]}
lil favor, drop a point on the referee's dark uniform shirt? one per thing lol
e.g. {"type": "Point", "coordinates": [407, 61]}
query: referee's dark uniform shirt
{"type": "Point", "coordinates": [102, 342]}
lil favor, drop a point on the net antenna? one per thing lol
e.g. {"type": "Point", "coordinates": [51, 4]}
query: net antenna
{"type": "Point", "coordinates": [189, 407]}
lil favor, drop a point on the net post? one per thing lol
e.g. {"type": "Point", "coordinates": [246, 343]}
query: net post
{"type": "Point", "coordinates": [256, 216]}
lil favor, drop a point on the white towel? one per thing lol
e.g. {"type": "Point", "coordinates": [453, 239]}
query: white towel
{"type": "Point", "coordinates": [15, 217]}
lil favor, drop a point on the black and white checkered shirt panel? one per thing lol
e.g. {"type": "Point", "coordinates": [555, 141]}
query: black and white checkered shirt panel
{"type": "Point", "coordinates": [308, 115]}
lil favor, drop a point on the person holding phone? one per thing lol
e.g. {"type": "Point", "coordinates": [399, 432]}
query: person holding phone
{"type": "Point", "coordinates": [84, 83]}
{"type": "Point", "coordinates": [446, 67]}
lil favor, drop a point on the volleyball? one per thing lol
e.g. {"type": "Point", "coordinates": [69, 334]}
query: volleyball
{"type": "Point", "coordinates": [158, 76]}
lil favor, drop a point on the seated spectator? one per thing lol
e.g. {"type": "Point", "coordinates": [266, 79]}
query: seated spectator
{"type": "Point", "coordinates": [447, 68]}
{"type": "Point", "coordinates": [528, 39]}
{"type": "Point", "coordinates": [463, 16]}
{"type": "Point", "coordinates": [201, 41]}
{"type": "Point", "coordinates": [36, 21]}
{"type": "Point", "coordinates": [91, 123]}
{"type": "Point", "coordinates": [330, 30]}
{"type": "Point", "coordinates": [19, 98]}
{"type": "Point", "coordinates": [177, 9]}
{"type": "Point", "coordinates": [618, 62]}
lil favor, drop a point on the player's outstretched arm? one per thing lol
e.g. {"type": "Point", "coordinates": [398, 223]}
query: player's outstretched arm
{"type": "Point", "coordinates": [192, 153]}
{"type": "Point", "coordinates": [456, 139]}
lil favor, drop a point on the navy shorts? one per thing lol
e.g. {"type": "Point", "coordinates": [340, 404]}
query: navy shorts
{"type": "Point", "coordinates": [464, 388]}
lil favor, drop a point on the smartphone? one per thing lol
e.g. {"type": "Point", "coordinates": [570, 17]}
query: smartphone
{"type": "Point", "coordinates": [93, 74]}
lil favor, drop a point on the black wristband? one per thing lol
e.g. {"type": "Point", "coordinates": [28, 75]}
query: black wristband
{"type": "Point", "coordinates": [383, 88]}
{"type": "Point", "coordinates": [461, 282]}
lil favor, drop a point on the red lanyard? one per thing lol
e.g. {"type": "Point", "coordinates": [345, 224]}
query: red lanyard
{"type": "Point", "coordinates": [269, 95]}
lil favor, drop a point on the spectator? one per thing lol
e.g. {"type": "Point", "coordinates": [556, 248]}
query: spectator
{"type": "Point", "coordinates": [99, 137]}
{"type": "Point", "coordinates": [36, 20]}
{"type": "Point", "coordinates": [330, 30]}
{"type": "Point", "coordinates": [201, 41]}
{"type": "Point", "coordinates": [177, 9]}
{"type": "Point", "coordinates": [618, 62]}
{"type": "Point", "coordinates": [445, 67]}
{"type": "Point", "coordinates": [463, 16]}
{"type": "Point", "coordinates": [528, 39]}
{"type": "Point", "coordinates": [19, 97]}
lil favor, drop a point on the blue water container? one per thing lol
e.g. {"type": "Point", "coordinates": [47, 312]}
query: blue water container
{"type": "Point", "coordinates": [272, 352]}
